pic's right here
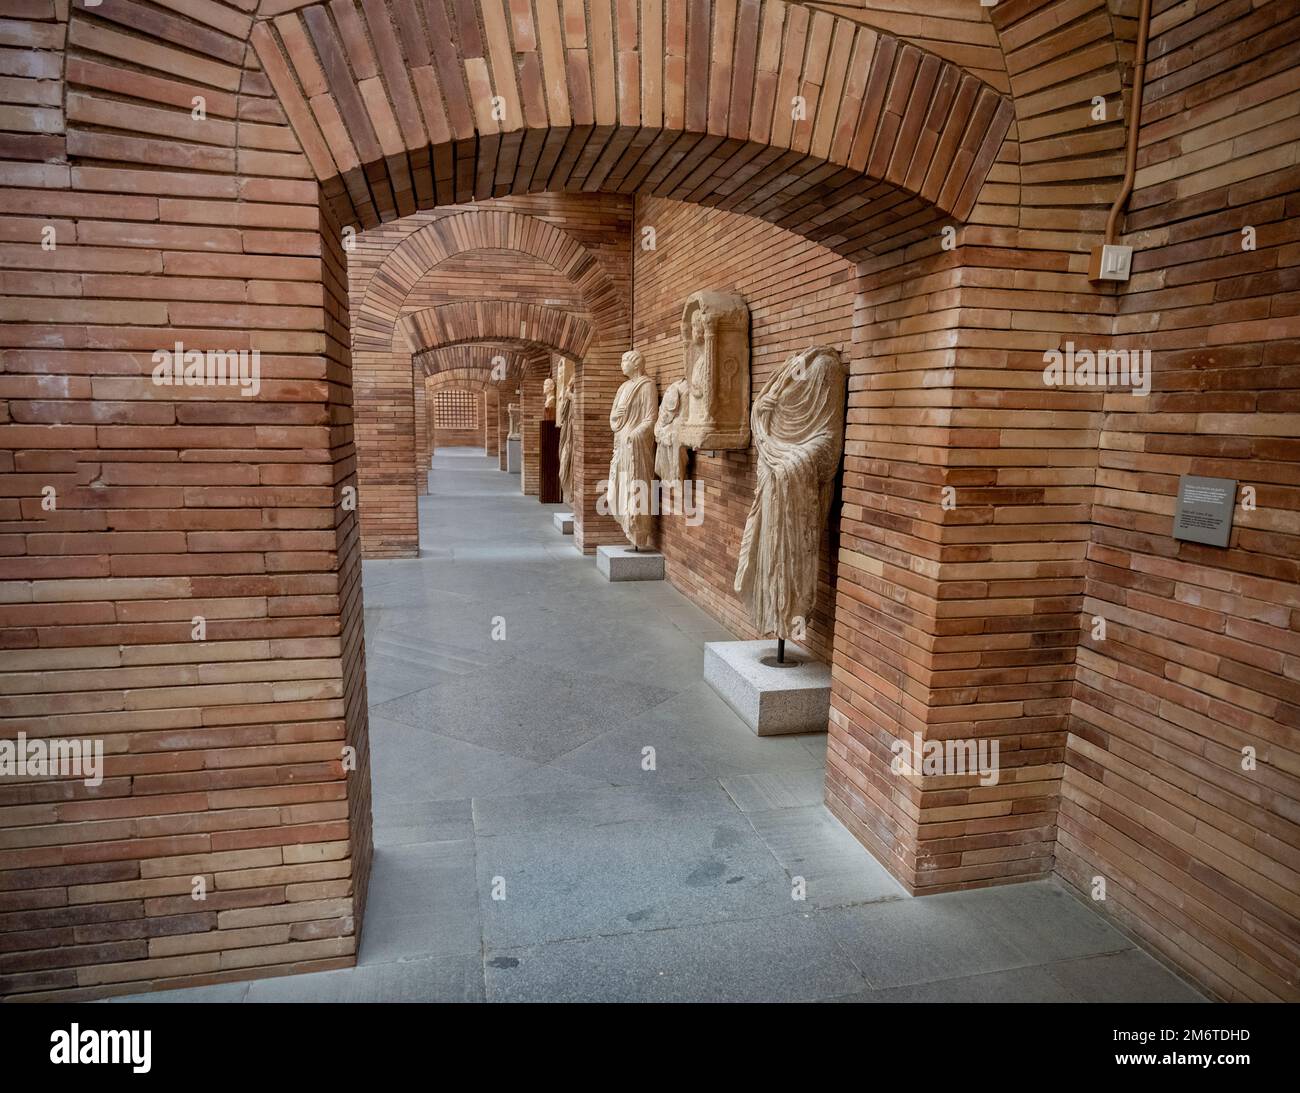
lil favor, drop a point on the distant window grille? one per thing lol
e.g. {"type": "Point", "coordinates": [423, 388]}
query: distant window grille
{"type": "Point", "coordinates": [455, 410]}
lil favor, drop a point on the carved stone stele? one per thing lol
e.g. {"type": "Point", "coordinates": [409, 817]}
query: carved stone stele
{"type": "Point", "coordinates": [715, 330]}
{"type": "Point", "coordinates": [631, 466]}
{"type": "Point", "coordinates": [798, 423]}
{"type": "Point", "coordinates": [513, 410]}
{"type": "Point", "coordinates": [670, 452]}
{"type": "Point", "coordinates": [564, 419]}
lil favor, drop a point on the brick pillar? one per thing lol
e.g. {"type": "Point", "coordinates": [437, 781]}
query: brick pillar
{"type": "Point", "coordinates": [432, 426]}
{"type": "Point", "coordinates": [962, 545]}
{"type": "Point", "coordinates": [506, 394]}
{"type": "Point", "coordinates": [423, 433]}
{"type": "Point", "coordinates": [212, 640]}
{"type": "Point", "coordinates": [531, 401]}
{"type": "Point", "coordinates": [491, 441]}
{"type": "Point", "coordinates": [386, 452]}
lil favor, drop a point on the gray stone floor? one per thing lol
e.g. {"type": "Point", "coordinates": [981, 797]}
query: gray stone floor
{"type": "Point", "coordinates": [514, 767]}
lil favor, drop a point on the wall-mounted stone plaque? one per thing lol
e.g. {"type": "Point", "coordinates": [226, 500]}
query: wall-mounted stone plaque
{"type": "Point", "coordinates": [715, 330]}
{"type": "Point", "coordinates": [1203, 513]}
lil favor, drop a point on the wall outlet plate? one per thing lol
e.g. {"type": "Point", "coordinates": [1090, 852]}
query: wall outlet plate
{"type": "Point", "coordinates": [1110, 262]}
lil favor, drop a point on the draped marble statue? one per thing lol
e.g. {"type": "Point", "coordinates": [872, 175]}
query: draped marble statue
{"type": "Point", "coordinates": [631, 467]}
{"type": "Point", "coordinates": [564, 419]}
{"type": "Point", "coordinates": [513, 410]}
{"type": "Point", "coordinates": [798, 426]}
{"type": "Point", "coordinates": [548, 394]}
{"type": "Point", "coordinates": [670, 452]}
{"type": "Point", "coordinates": [715, 330]}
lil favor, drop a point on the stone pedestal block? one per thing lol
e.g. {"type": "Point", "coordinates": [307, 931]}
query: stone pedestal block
{"type": "Point", "coordinates": [514, 454]}
{"type": "Point", "coordinates": [563, 522]}
{"type": "Point", "coordinates": [622, 563]}
{"type": "Point", "coordinates": [769, 698]}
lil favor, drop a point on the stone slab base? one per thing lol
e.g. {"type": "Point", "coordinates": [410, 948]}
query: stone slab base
{"type": "Point", "coordinates": [563, 522]}
{"type": "Point", "coordinates": [770, 700]}
{"type": "Point", "coordinates": [622, 563]}
{"type": "Point", "coordinates": [514, 454]}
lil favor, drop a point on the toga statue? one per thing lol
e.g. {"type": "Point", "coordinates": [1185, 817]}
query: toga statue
{"type": "Point", "coordinates": [564, 418]}
{"type": "Point", "coordinates": [631, 467]}
{"type": "Point", "coordinates": [670, 452]}
{"type": "Point", "coordinates": [548, 393]}
{"type": "Point", "coordinates": [513, 410]}
{"type": "Point", "coordinates": [798, 427]}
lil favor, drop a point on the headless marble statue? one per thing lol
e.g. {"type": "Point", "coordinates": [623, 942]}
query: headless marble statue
{"type": "Point", "coordinates": [798, 428]}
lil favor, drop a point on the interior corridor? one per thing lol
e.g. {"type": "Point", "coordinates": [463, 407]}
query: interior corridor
{"type": "Point", "coordinates": [513, 764]}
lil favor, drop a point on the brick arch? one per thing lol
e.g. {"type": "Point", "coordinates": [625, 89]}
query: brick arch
{"type": "Point", "coordinates": [381, 359]}
{"type": "Point", "coordinates": [395, 112]}
{"type": "Point", "coordinates": [475, 357]}
{"type": "Point", "coordinates": [424, 250]}
{"type": "Point", "coordinates": [469, 378]}
{"type": "Point", "coordinates": [499, 321]}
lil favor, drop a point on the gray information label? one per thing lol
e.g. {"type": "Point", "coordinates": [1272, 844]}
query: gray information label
{"type": "Point", "coordinates": [1204, 510]}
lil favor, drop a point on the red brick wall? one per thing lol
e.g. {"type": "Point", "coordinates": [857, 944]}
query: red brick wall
{"type": "Point", "coordinates": [223, 755]}
{"type": "Point", "coordinates": [799, 294]}
{"type": "Point", "coordinates": [459, 438]}
{"type": "Point", "coordinates": [1199, 659]}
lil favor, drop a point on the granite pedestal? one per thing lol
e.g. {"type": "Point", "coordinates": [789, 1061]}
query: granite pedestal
{"type": "Point", "coordinates": [769, 698]}
{"type": "Point", "coordinates": [622, 563]}
{"type": "Point", "coordinates": [563, 522]}
{"type": "Point", "coordinates": [514, 454]}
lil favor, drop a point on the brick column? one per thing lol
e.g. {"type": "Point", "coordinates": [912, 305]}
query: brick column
{"type": "Point", "coordinates": [506, 394]}
{"type": "Point", "coordinates": [386, 452]}
{"type": "Point", "coordinates": [531, 401]}
{"type": "Point", "coordinates": [491, 441]}
{"type": "Point", "coordinates": [422, 409]}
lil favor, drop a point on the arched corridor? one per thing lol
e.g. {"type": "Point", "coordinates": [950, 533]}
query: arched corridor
{"type": "Point", "coordinates": [969, 327]}
{"type": "Point", "coordinates": [514, 694]}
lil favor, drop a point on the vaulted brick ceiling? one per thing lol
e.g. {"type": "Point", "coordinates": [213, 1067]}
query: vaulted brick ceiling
{"type": "Point", "coordinates": [482, 229]}
{"type": "Point", "coordinates": [516, 321]}
{"type": "Point", "coordinates": [398, 111]}
{"type": "Point", "coordinates": [499, 363]}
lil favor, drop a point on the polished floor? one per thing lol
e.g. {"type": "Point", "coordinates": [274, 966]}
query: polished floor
{"type": "Point", "coordinates": [564, 811]}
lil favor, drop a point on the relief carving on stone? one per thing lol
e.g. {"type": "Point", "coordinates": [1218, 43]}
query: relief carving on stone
{"type": "Point", "coordinates": [564, 414]}
{"type": "Point", "coordinates": [670, 452]}
{"type": "Point", "coordinates": [798, 423]}
{"type": "Point", "coordinates": [631, 466]}
{"type": "Point", "coordinates": [715, 330]}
